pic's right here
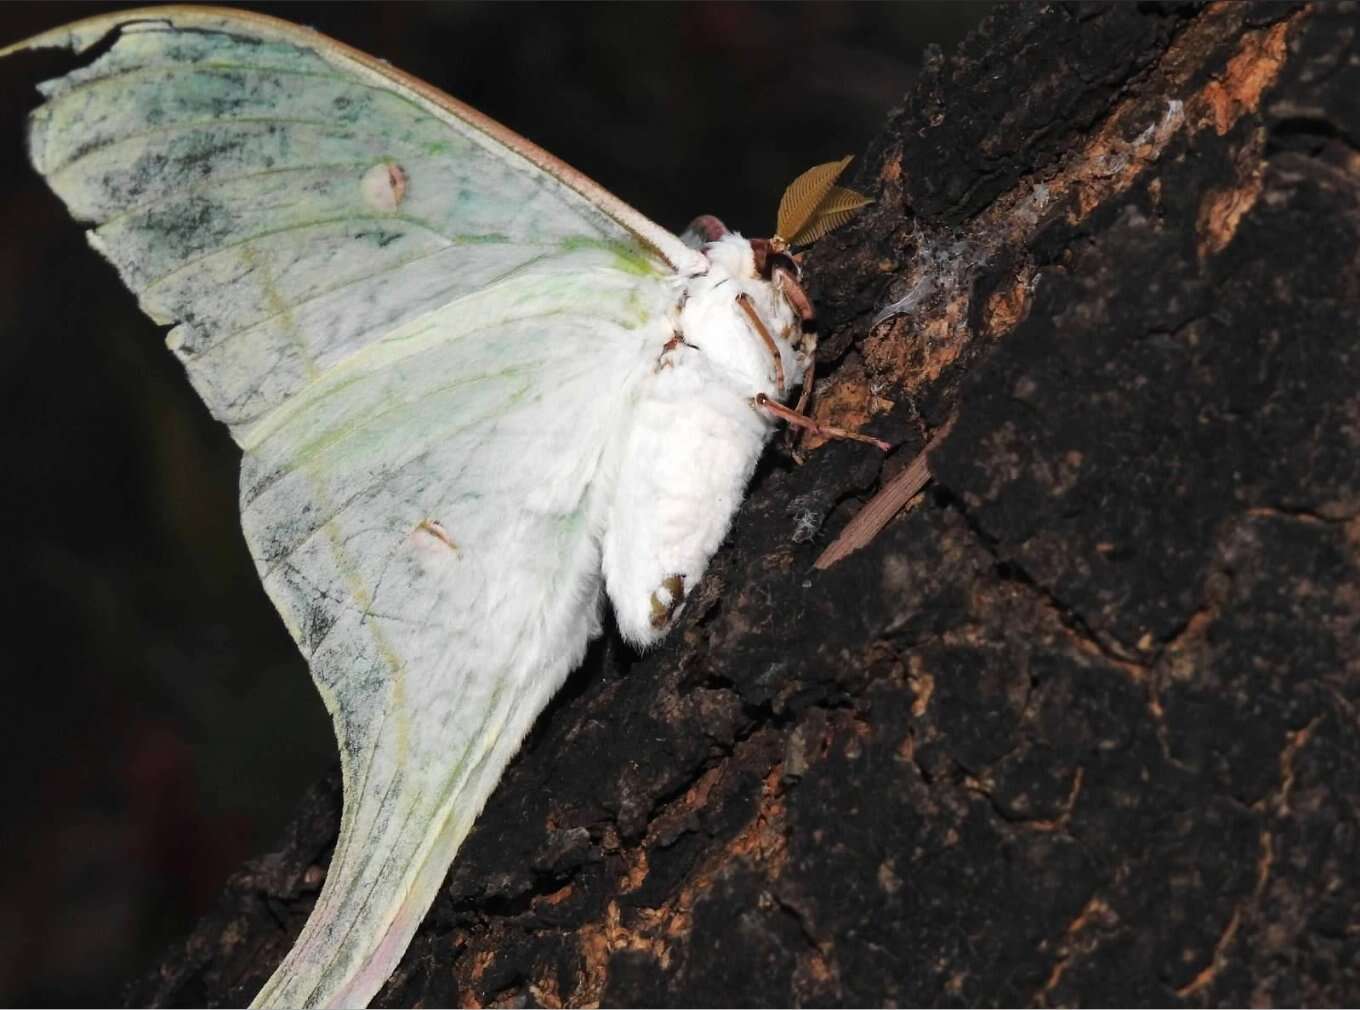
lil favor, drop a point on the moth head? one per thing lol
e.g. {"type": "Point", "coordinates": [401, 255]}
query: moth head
{"type": "Point", "coordinates": [777, 305]}
{"type": "Point", "coordinates": [785, 274]}
{"type": "Point", "coordinates": [811, 206]}
{"type": "Point", "coordinates": [745, 323]}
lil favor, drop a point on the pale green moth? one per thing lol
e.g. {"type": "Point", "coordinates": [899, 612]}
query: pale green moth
{"type": "Point", "coordinates": [475, 394]}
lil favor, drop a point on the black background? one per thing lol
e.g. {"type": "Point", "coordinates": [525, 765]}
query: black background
{"type": "Point", "coordinates": [158, 725]}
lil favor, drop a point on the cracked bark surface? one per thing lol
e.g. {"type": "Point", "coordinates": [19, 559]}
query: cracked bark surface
{"type": "Point", "coordinates": [1079, 727]}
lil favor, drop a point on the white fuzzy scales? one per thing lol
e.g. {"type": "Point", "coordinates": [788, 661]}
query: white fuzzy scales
{"type": "Point", "coordinates": [475, 394]}
{"type": "Point", "coordinates": [692, 440]}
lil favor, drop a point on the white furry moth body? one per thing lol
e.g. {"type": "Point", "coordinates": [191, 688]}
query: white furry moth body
{"type": "Point", "coordinates": [475, 394]}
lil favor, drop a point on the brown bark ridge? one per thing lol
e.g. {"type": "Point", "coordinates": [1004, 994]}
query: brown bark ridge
{"type": "Point", "coordinates": [1080, 726]}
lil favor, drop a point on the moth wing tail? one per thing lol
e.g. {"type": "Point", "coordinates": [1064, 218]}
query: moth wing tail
{"type": "Point", "coordinates": [395, 847]}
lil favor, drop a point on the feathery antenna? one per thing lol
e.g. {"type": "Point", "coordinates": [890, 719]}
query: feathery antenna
{"type": "Point", "coordinates": [814, 205]}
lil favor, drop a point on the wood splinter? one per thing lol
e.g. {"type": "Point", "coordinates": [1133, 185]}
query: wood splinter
{"type": "Point", "coordinates": [880, 509]}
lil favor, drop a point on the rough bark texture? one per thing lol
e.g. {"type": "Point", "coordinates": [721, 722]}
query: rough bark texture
{"type": "Point", "coordinates": [1080, 726]}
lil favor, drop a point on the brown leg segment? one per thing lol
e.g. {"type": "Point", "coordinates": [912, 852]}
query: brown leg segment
{"type": "Point", "coordinates": [826, 431]}
{"type": "Point", "coordinates": [744, 301]}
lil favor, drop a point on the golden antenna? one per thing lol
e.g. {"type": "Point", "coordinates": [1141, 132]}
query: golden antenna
{"type": "Point", "coordinates": [814, 205]}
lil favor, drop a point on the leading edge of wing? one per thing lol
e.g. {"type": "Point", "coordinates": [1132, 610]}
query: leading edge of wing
{"type": "Point", "coordinates": [81, 35]}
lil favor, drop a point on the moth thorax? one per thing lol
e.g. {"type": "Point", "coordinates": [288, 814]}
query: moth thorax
{"type": "Point", "coordinates": [744, 324]}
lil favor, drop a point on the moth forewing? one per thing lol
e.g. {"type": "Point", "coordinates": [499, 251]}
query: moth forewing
{"type": "Point", "coordinates": [81, 36]}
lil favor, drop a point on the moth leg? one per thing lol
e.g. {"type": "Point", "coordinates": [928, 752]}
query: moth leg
{"type": "Point", "coordinates": [793, 417]}
{"type": "Point", "coordinates": [757, 324]}
{"type": "Point", "coordinates": [793, 433]}
{"type": "Point", "coordinates": [805, 394]}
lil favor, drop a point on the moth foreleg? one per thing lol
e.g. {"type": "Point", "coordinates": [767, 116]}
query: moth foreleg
{"type": "Point", "coordinates": [793, 417]}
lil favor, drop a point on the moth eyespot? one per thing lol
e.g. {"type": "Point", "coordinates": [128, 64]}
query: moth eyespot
{"type": "Point", "coordinates": [434, 529]}
{"type": "Point", "coordinates": [666, 600]}
{"type": "Point", "coordinates": [384, 186]}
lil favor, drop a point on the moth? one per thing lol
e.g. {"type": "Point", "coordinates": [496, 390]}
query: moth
{"type": "Point", "coordinates": [475, 395]}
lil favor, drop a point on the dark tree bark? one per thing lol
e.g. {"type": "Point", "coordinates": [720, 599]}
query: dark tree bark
{"type": "Point", "coordinates": [1080, 727]}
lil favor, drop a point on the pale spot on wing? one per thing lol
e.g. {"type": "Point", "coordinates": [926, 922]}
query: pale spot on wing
{"type": "Point", "coordinates": [434, 529]}
{"type": "Point", "coordinates": [384, 186]}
